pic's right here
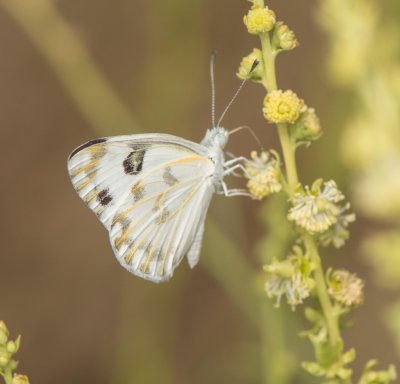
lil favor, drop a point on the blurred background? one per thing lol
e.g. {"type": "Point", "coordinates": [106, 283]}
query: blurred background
{"type": "Point", "coordinates": [71, 71]}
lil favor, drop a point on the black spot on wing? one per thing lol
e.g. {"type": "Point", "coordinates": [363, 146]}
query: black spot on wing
{"type": "Point", "coordinates": [133, 163]}
{"type": "Point", "coordinates": [104, 197]}
{"type": "Point", "coordinates": [86, 145]}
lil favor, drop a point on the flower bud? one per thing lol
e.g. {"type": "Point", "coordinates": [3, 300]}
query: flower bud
{"type": "Point", "coordinates": [20, 379]}
{"type": "Point", "coordinates": [281, 269]}
{"type": "Point", "coordinates": [5, 358]}
{"type": "Point", "coordinates": [259, 20]}
{"type": "Point", "coordinates": [282, 107]}
{"type": "Point", "coordinates": [12, 347]}
{"type": "Point", "coordinates": [308, 127]}
{"type": "Point", "coordinates": [245, 68]}
{"type": "Point", "coordinates": [283, 38]}
{"type": "Point", "coordinates": [3, 333]}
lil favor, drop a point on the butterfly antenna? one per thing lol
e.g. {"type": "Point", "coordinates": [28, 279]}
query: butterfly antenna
{"type": "Point", "coordinates": [212, 62]}
{"type": "Point", "coordinates": [253, 67]}
{"type": "Point", "coordinates": [251, 132]}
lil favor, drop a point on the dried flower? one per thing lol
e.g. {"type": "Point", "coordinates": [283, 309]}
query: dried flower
{"type": "Point", "coordinates": [282, 107]}
{"type": "Point", "coordinates": [264, 175]}
{"type": "Point", "coordinates": [259, 20]}
{"type": "Point", "coordinates": [316, 210]}
{"type": "Point", "coordinates": [346, 288]}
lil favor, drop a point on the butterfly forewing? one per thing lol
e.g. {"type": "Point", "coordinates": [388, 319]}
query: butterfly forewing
{"type": "Point", "coordinates": [151, 192]}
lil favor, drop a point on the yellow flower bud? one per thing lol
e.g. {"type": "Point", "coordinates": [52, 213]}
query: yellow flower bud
{"type": "Point", "coordinates": [12, 347]}
{"type": "Point", "coordinates": [284, 38]}
{"type": "Point", "coordinates": [282, 107]}
{"type": "Point", "coordinates": [20, 379]}
{"type": "Point", "coordinates": [259, 20]}
{"type": "Point", "coordinates": [3, 333]}
{"type": "Point", "coordinates": [5, 358]}
{"type": "Point", "coordinates": [244, 71]}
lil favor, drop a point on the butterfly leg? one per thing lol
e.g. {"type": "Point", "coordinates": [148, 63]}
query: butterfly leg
{"type": "Point", "coordinates": [230, 155]}
{"type": "Point", "coordinates": [235, 160]}
{"type": "Point", "coordinates": [232, 169]}
{"type": "Point", "coordinates": [234, 192]}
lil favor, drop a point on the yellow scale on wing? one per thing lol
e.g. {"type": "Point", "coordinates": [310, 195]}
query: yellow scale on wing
{"type": "Point", "coordinates": [179, 210]}
{"type": "Point", "coordinates": [135, 205]}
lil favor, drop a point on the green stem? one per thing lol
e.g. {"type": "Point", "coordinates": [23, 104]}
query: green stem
{"type": "Point", "coordinates": [8, 376]}
{"type": "Point", "coordinates": [269, 56]}
{"type": "Point", "coordinates": [270, 84]}
{"type": "Point", "coordinates": [322, 292]}
{"type": "Point", "coordinates": [272, 372]}
{"type": "Point", "coordinates": [288, 150]}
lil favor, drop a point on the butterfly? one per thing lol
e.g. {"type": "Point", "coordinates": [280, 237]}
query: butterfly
{"type": "Point", "coordinates": [152, 193]}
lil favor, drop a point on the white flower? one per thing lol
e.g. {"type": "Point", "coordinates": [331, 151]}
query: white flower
{"type": "Point", "coordinates": [264, 175]}
{"type": "Point", "coordinates": [338, 233]}
{"type": "Point", "coordinates": [346, 288]}
{"type": "Point", "coordinates": [290, 278]}
{"type": "Point", "coordinates": [316, 210]}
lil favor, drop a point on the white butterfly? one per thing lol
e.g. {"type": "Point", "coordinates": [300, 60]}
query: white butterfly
{"type": "Point", "coordinates": [152, 193]}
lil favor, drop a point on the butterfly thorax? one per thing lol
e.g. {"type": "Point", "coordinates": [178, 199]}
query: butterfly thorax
{"type": "Point", "coordinates": [215, 141]}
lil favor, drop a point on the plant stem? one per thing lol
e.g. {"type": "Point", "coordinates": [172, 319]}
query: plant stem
{"type": "Point", "coordinates": [288, 150]}
{"type": "Point", "coordinates": [8, 377]}
{"type": "Point", "coordinates": [269, 56]}
{"type": "Point", "coordinates": [322, 291]}
{"type": "Point", "coordinates": [272, 372]}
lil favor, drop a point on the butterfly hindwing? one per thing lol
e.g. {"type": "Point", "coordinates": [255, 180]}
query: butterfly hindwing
{"type": "Point", "coordinates": [151, 192]}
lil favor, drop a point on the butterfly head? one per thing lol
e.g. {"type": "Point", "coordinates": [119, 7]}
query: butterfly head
{"type": "Point", "coordinates": [216, 137]}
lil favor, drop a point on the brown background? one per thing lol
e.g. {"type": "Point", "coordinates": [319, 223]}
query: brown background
{"type": "Point", "coordinates": [83, 318]}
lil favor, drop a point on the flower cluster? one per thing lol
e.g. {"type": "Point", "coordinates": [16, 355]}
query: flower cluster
{"type": "Point", "coordinates": [245, 68]}
{"type": "Point", "coordinates": [377, 377]}
{"type": "Point", "coordinates": [338, 233]}
{"type": "Point", "coordinates": [20, 379]}
{"type": "Point", "coordinates": [346, 288]}
{"type": "Point", "coordinates": [264, 174]}
{"type": "Point", "coordinates": [320, 215]}
{"type": "Point", "coordinates": [317, 209]}
{"type": "Point", "coordinates": [259, 20]}
{"type": "Point", "coordinates": [307, 128]}
{"type": "Point", "coordinates": [282, 106]}
{"type": "Point", "coordinates": [290, 278]}
{"type": "Point", "coordinates": [283, 38]}
{"type": "Point", "coordinates": [337, 372]}
{"type": "Point", "coordinates": [8, 348]}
